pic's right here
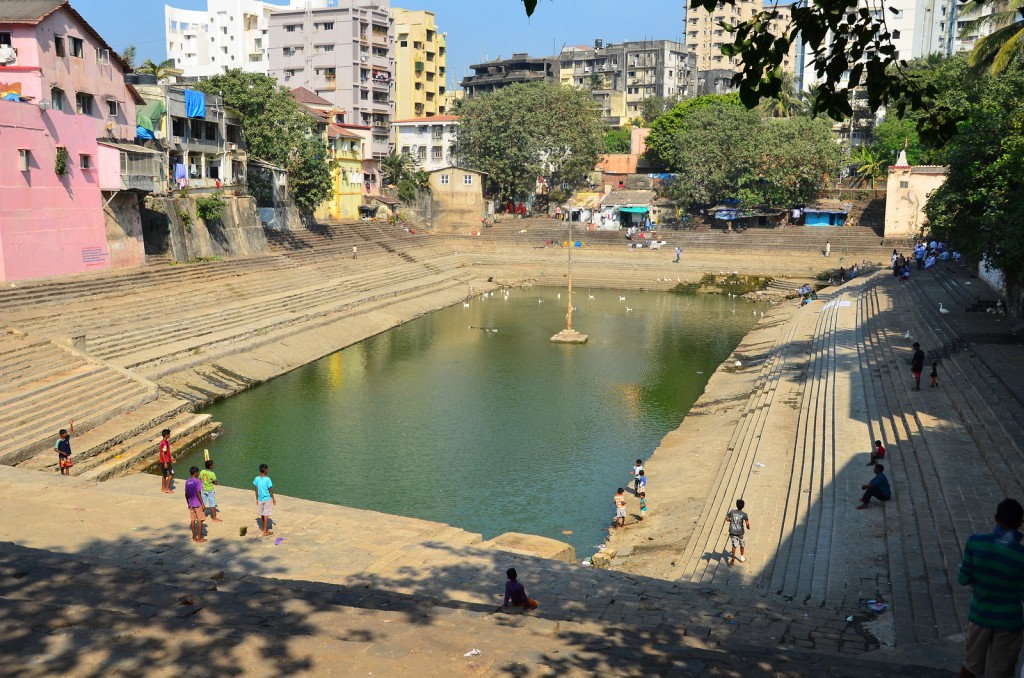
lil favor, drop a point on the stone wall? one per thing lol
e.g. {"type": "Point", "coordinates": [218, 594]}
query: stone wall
{"type": "Point", "coordinates": [906, 194]}
{"type": "Point", "coordinates": [239, 231]}
{"type": "Point", "coordinates": [123, 224]}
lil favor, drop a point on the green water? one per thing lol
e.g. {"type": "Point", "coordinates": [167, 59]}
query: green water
{"type": "Point", "coordinates": [491, 431]}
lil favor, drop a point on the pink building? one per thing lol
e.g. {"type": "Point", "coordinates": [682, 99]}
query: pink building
{"type": "Point", "coordinates": [62, 89]}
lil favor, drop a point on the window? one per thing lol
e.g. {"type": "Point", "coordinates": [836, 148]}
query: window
{"type": "Point", "coordinates": [291, 28]}
{"type": "Point", "coordinates": [58, 46]}
{"type": "Point", "coordinates": [57, 99]}
{"type": "Point", "coordinates": [111, 108]}
{"type": "Point", "coordinates": [77, 47]}
{"type": "Point", "coordinates": [323, 49]}
{"type": "Point", "coordinates": [403, 43]}
{"type": "Point", "coordinates": [405, 150]}
{"type": "Point", "coordinates": [444, 179]}
{"type": "Point", "coordinates": [83, 103]}
{"type": "Point", "coordinates": [178, 127]}
{"type": "Point", "coordinates": [326, 26]}
{"type": "Point", "coordinates": [85, 161]}
{"type": "Point", "coordinates": [102, 56]}
{"type": "Point", "coordinates": [24, 159]}
{"type": "Point", "coordinates": [5, 39]}
{"type": "Point", "coordinates": [124, 163]}
{"type": "Point", "coordinates": [904, 184]}
{"type": "Point", "coordinates": [211, 131]}
{"type": "Point", "coordinates": [467, 179]}
{"type": "Point", "coordinates": [436, 153]}
{"type": "Point", "coordinates": [895, 35]}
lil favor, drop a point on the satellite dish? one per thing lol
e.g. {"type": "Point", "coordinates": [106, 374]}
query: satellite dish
{"type": "Point", "coordinates": [158, 134]}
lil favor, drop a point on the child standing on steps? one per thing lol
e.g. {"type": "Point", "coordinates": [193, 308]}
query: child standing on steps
{"type": "Point", "coordinates": [63, 447]}
{"type": "Point", "coordinates": [638, 468]}
{"type": "Point", "coordinates": [737, 520]}
{"type": "Point", "coordinates": [643, 506]}
{"type": "Point", "coordinates": [935, 373]}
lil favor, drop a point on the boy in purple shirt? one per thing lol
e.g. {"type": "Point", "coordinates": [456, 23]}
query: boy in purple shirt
{"type": "Point", "coordinates": [515, 592]}
{"type": "Point", "coordinates": [194, 499]}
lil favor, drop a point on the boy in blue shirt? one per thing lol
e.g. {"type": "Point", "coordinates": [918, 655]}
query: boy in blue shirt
{"type": "Point", "coordinates": [877, 487]}
{"type": "Point", "coordinates": [265, 499]}
{"type": "Point", "coordinates": [63, 447]}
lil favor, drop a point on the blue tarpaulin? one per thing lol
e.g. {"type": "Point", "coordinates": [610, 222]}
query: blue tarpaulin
{"type": "Point", "coordinates": [143, 133]}
{"type": "Point", "coordinates": [195, 104]}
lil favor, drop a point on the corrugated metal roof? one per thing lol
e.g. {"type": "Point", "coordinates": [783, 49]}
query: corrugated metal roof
{"type": "Point", "coordinates": [134, 148]}
{"type": "Point", "coordinates": [642, 197]}
{"type": "Point", "coordinates": [27, 11]}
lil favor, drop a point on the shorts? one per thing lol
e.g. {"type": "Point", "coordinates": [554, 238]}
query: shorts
{"type": "Point", "coordinates": [991, 653]}
{"type": "Point", "coordinates": [209, 499]}
{"type": "Point", "coordinates": [264, 508]}
{"type": "Point", "coordinates": [65, 462]}
{"type": "Point", "coordinates": [917, 375]}
{"type": "Point", "coordinates": [620, 512]}
{"type": "Point", "coordinates": [737, 541]}
{"type": "Point", "coordinates": [196, 513]}
{"type": "Point", "coordinates": [168, 470]}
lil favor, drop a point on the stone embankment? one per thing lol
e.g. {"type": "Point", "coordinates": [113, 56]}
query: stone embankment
{"type": "Point", "coordinates": [789, 428]}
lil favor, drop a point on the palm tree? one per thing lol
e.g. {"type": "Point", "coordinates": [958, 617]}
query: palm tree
{"type": "Point", "coordinates": [128, 56]}
{"type": "Point", "coordinates": [996, 51]}
{"type": "Point", "coordinates": [161, 70]}
{"type": "Point", "coordinates": [871, 164]}
{"type": "Point", "coordinates": [787, 103]}
{"type": "Point", "coordinates": [397, 166]}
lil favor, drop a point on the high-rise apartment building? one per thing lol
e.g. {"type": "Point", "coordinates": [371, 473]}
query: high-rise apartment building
{"type": "Point", "coordinates": [228, 34]}
{"type": "Point", "coordinates": [420, 65]}
{"type": "Point", "coordinates": [621, 76]}
{"type": "Point", "coordinates": [705, 36]}
{"type": "Point", "coordinates": [345, 53]}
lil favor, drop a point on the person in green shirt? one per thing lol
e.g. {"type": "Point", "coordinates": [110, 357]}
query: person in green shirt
{"type": "Point", "coordinates": [209, 479]}
{"type": "Point", "coordinates": [993, 565]}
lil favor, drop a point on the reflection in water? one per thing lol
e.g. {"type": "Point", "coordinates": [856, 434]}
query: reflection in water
{"type": "Point", "coordinates": [492, 430]}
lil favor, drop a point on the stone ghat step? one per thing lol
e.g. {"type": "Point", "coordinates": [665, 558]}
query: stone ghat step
{"type": "Point", "coordinates": [188, 430]}
{"type": "Point", "coordinates": [89, 443]}
{"type": "Point", "coordinates": [336, 556]}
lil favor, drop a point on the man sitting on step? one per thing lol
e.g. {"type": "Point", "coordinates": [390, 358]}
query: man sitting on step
{"type": "Point", "coordinates": [877, 487]}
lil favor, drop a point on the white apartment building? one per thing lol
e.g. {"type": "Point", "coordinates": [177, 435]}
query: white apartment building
{"type": "Point", "coordinates": [918, 28]}
{"type": "Point", "coordinates": [966, 43]}
{"type": "Point", "coordinates": [430, 140]}
{"type": "Point", "coordinates": [344, 51]}
{"type": "Point", "coordinates": [228, 34]}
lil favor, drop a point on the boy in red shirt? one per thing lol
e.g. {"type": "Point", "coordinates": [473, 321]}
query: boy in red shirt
{"type": "Point", "coordinates": [166, 462]}
{"type": "Point", "coordinates": [878, 455]}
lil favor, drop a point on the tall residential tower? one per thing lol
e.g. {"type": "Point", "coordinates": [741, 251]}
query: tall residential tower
{"type": "Point", "coordinates": [421, 65]}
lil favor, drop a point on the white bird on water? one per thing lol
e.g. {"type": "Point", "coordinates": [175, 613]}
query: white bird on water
{"type": "Point", "coordinates": [907, 335]}
{"type": "Point", "coordinates": [591, 296]}
{"type": "Point", "coordinates": [622, 298]}
{"type": "Point", "coordinates": [540, 301]}
{"type": "Point", "coordinates": [943, 310]}
{"type": "Point", "coordinates": [628, 308]}
{"type": "Point", "coordinates": [559, 295]}
{"type": "Point", "coordinates": [465, 304]}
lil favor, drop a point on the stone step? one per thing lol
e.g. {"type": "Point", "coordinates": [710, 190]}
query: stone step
{"type": "Point", "coordinates": [140, 452]}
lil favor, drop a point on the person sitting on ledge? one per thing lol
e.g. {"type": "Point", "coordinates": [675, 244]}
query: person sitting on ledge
{"type": "Point", "coordinates": [877, 487]}
{"type": "Point", "coordinates": [515, 592]}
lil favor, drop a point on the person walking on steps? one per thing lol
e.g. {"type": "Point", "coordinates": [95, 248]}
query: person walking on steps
{"type": "Point", "coordinates": [993, 566]}
{"type": "Point", "coordinates": [917, 366]}
{"type": "Point", "coordinates": [679, 251]}
{"type": "Point", "coordinates": [738, 523]}
{"type": "Point", "coordinates": [828, 248]}
{"type": "Point", "coordinates": [63, 447]}
{"type": "Point", "coordinates": [877, 487]}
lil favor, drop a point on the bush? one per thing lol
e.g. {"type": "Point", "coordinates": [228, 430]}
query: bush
{"type": "Point", "coordinates": [211, 207]}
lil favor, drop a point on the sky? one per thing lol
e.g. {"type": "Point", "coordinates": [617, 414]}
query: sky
{"type": "Point", "coordinates": [477, 29]}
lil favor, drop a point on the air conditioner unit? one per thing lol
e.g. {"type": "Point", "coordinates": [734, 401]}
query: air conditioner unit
{"type": "Point", "coordinates": [232, 147]}
{"type": "Point", "coordinates": [7, 54]}
{"type": "Point", "coordinates": [176, 140]}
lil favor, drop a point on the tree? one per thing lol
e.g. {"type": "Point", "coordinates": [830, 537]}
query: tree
{"type": "Point", "coordinates": [893, 135]}
{"type": "Point", "coordinates": [1002, 47]}
{"type": "Point", "coordinates": [980, 207]}
{"type": "Point", "coordinates": [654, 106]}
{"type": "Point", "coordinates": [404, 172]}
{"type": "Point", "coordinates": [128, 56]}
{"type": "Point", "coordinates": [787, 103]}
{"type": "Point", "coordinates": [870, 164]}
{"type": "Point", "coordinates": [850, 45]}
{"type": "Point", "coordinates": [662, 137]}
{"type": "Point", "coordinates": [618, 140]}
{"type": "Point", "coordinates": [525, 131]}
{"type": "Point", "coordinates": [161, 70]}
{"type": "Point", "coordinates": [278, 132]}
{"type": "Point", "coordinates": [730, 152]}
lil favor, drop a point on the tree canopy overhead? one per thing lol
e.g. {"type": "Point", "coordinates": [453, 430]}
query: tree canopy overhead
{"type": "Point", "coordinates": [521, 132]}
{"type": "Point", "coordinates": [278, 131]}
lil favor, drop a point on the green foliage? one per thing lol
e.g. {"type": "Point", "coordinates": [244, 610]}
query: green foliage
{"type": "Point", "coordinates": [186, 220]}
{"type": "Point", "coordinates": [1004, 45]}
{"type": "Point", "coordinates": [261, 188]}
{"type": "Point", "coordinates": [278, 132]}
{"type": "Point", "coordinates": [654, 106]}
{"type": "Point", "coordinates": [891, 136]}
{"type": "Point", "coordinates": [661, 140]}
{"type": "Point", "coordinates": [128, 56]}
{"type": "Point", "coordinates": [617, 140]}
{"type": "Point", "coordinates": [60, 165]}
{"type": "Point", "coordinates": [160, 70]}
{"type": "Point", "coordinates": [405, 172]}
{"type": "Point", "coordinates": [524, 131]}
{"type": "Point", "coordinates": [729, 152]}
{"type": "Point", "coordinates": [980, 207]}
{"type": "Point", "coordinates": [870, 164]}
{"type": "Point", "coordinates": [210, 208]}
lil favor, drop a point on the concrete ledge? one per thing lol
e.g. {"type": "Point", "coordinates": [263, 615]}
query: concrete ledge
{"type": "Point", "coordinates": [531, 545]}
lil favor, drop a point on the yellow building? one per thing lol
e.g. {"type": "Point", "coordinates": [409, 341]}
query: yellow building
{"type": "Point", "coordinates": [346, 148]}
{"type": "Point", "coordinates": [705, 36]}
{"type": "Point", "coordinates": [420, 65]}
